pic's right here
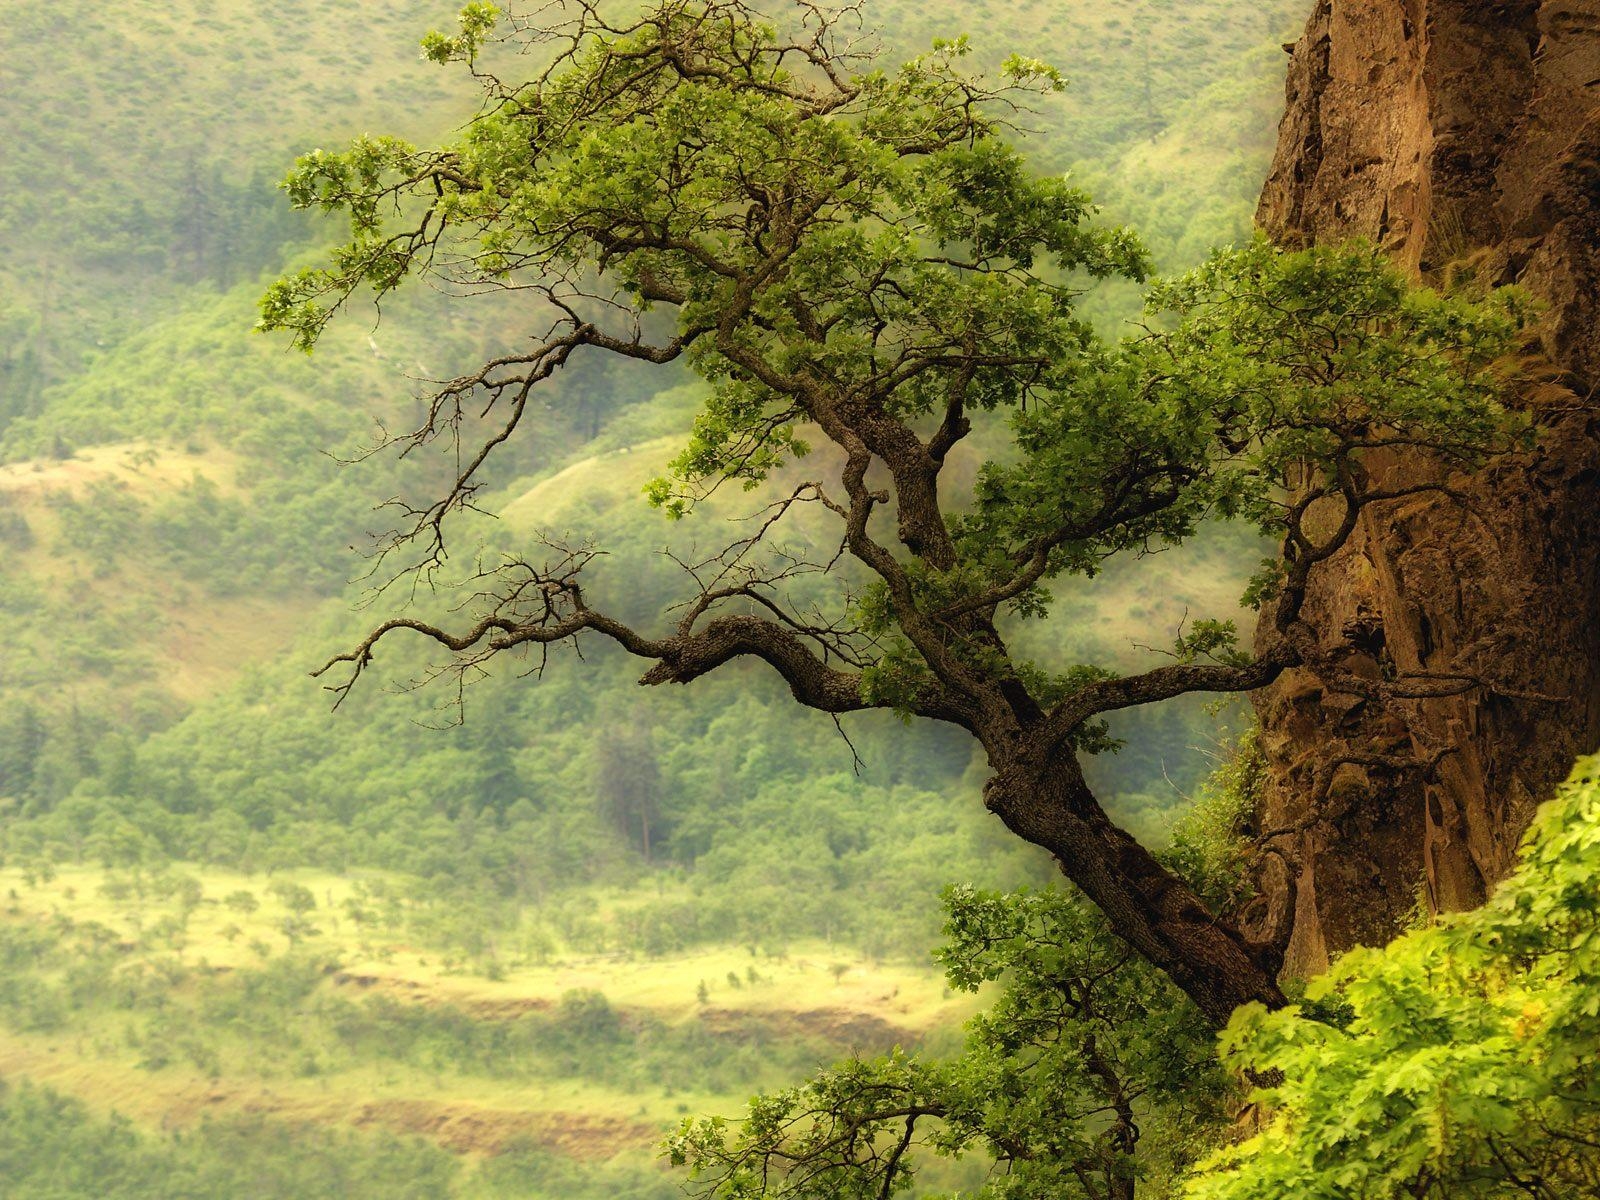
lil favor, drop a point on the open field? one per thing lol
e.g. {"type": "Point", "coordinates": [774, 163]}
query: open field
{"type": "Point", "coordinates": [213, 1040]}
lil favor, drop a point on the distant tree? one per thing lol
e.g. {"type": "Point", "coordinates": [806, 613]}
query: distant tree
{"type": "Point", "coordinates": [357, 911]}
{"type": "Point", "coordinates": [855, 254]}
{"type": "Point", "coordinates": [188, 892]}
{"type": "Point", "coordinates": [297, 928]}
{"type": "Point", "coordinates": [21, 377]}
{"type": "Point", "coordinates": [117, 842]}
{"type": "Point", "coordinates": [627, 781]}
{"type": "Point", "coordinates": [15, 532]}
{"type": "Point", "coordinates": [23, 736]}
{"type": "Point", "coordinates": [297, 898]}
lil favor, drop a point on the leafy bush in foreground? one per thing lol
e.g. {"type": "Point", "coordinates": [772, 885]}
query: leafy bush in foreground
{"type": "Point", "coordinates": [1462, 1060]}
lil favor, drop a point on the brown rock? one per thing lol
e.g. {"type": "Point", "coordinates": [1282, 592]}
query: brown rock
{"type": "Point", "coordinates": [1463, 137]}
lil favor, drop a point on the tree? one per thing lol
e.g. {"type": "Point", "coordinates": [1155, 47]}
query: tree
{"type": "Point", "coordinates": [1085, 1052]}
{"type": "Point", "coordinates": [295, 897]}
{"type": "Point", "coordinates": [858, 255]}
{"type": "Point", "coordinates": [22, 738]}
{"type": "Point", "coordinates": [627, 782]}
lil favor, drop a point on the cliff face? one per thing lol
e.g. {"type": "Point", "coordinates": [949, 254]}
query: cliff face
{"type": "Point", "coordinates": [1465, 138]}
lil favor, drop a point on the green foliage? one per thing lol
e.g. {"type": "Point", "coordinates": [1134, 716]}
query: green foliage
{"type": "Point", "coordinates": [143, 148]}
{"type": "Point", "coordinates": [1332, 342]}
{"type": "Point", "coordinates": [295, 897]}
{"type": "Point", "coordinates": [646, 187]}
{"type": "Point", "coordinates": [1209, 844]}
{"type": "Point", "coordinates": [1088, 1071]}
{"type": "Point", "coordinates": [1254, 367]}
{"type": "Point", "coordinates": [1208, 638]}
{"type": "Point", "coordinates": [1458, 1061]}
{"type": "Point", "coordinates": [477, 21]}
{"type": "Point", "coordinates": [498, 834]}
{"type": "Point", "coordinates": [53, 1148]}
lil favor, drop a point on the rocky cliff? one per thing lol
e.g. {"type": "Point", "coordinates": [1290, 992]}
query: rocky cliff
{"type": "Point", "coordinates": [1463, 137]}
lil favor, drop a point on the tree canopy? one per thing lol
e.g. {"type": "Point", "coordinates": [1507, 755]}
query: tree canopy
{"type": "Point", "coordinates": [858, 257]}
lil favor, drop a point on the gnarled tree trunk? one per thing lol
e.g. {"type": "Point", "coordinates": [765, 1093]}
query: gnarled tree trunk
{"type": "Point", "coordinates": [1044, 799]}
{"type": "Point", "coordinates": [1465, 138]}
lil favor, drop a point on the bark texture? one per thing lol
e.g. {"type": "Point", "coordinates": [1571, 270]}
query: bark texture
{"type": "Point", "coordinates": [1044, 799]}
{"type": "Point", "coordinates": [1462, 136]}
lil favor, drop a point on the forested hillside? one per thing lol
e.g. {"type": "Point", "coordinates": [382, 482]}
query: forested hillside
{"type": "Point", "coordinates": [479, 943]}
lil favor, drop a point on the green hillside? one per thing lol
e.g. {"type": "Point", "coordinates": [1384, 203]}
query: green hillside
{"type": "Point", "coordinates": [176, 539]}
{"type": "Point", "coordinates": [143, 143]}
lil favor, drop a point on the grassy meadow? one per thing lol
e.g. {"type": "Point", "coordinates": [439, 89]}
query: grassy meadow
{"type": "Point", "coordinates": [195, 994]}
